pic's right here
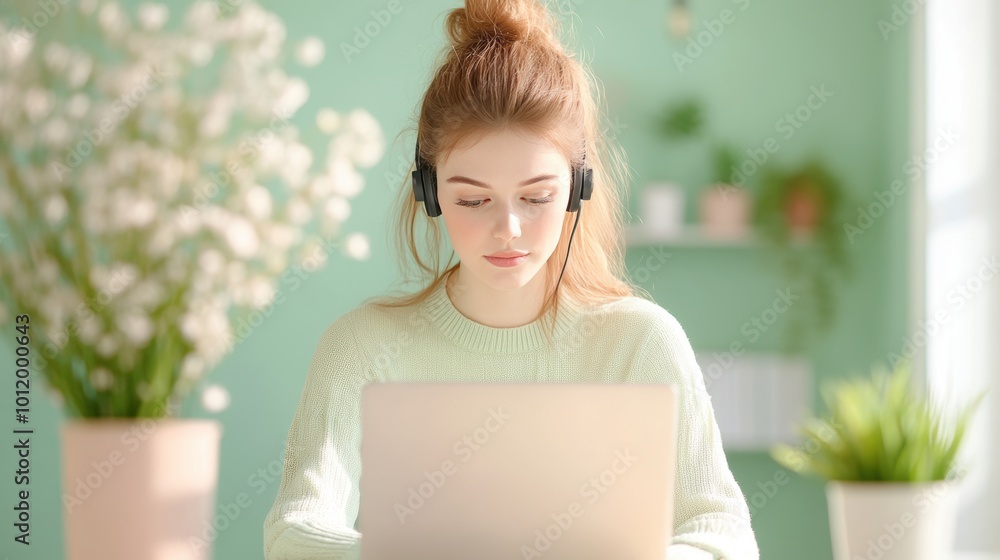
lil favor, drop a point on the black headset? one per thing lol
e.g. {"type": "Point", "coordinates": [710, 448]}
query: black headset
{"type": "Point", "coordinates": [425, 190]}
{"type": "Point", "coordinates": [425, 186]}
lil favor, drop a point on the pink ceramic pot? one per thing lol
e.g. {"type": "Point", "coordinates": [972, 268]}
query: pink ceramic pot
{"type": "Point", "coordinates": [139, 489]}
{"type": "Point", "coordinates": [725, 211]}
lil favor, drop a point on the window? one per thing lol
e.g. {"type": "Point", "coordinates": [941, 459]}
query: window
{"type": "Point", "coordinates": [955, 218]}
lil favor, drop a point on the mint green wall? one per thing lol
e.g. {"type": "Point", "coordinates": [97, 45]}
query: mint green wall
{"type": "Point", "coordinates": [760, 67]}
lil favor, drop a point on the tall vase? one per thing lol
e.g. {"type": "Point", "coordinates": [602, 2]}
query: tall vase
{"type": "Point", "coordinates": [139, 488]}
{"type": "Point", "coordinates": [892, 520]}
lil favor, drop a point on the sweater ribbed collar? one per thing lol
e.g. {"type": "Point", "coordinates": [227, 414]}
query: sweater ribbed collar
{"type": "Point", "coordinates": [492, 340]}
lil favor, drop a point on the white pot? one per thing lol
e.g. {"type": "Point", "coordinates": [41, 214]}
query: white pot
{"type": "Point", "coordinates": [892, 520]}
{"type": "Point", "coordinates": [663, 208]}
{"type": "Point", "coordinates": [139, 489]}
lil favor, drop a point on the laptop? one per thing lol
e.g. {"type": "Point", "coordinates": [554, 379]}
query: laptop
{"type": "Point", "coordinates": [494, 471]}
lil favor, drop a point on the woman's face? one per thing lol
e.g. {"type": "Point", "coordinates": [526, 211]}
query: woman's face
{"type": "Point", "coordinates": [507, 193]}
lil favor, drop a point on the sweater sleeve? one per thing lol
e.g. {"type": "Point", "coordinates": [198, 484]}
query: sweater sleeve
{"type": "Point", "coordinates": [317, 503]}
{"type": "Point", "coordinates": [711, 517]}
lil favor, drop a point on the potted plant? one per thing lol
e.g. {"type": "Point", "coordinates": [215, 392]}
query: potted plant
{"type": "Point", "coordinates": [799, 212]}
{"type": "Point", "coordinates": [153, 191]}
{"type": "Point", "coordinates": [888, 452]}
{"type": "Point", "coordinates": [725, 205]}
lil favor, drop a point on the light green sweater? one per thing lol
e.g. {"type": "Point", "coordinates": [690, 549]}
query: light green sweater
{"type": "Point", "coordinates": [631, 340]}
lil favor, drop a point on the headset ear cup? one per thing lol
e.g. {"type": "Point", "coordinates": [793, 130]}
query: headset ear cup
{"type": "Point", "coordinates": [574, 191]}
{"type": "Point", "coordinates": [588, 184]}
{"type": "Point", "coordinates": [430, 192]}
{"type": "Point", "coordinates": [416, 177]}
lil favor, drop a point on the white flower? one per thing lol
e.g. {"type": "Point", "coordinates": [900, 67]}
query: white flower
{"type": "Point", "coordinates": [133, 211]}
{"type": "Point", "coordinates": [258, 202]}
{"type": "Point", "coordinates": [135, 326]}
{"type": "Point", "coordinates": [152, 16]}
{"type": "Point", "coordinates": [298, 160]}
{"type": "Point", "coordinates": [89, 330]}
{"type": "Point", "coordinates": [192, 367]}
{"type": "Point", "coordinates": [57, 57]}
{"type": "Point", "coordinates": [215, 398]}
{"type": "Point", "coordinates": [21, 45]}
{"type": "Point", "coordinates": [101, 379]}
{"type": "Point", "coordinates": [236, 272]}
{"type": "Point", "coordinates": [296, 93]}
{"type": "Point", "coordinates": [259, 291]}
{"type": "Point", "coordinates": [37, 103]}
{"type": "Point", "coordinates": [146, 294]}
{"type": "Point", "coordinates": [200, 52]}
{"type": "Point", "coordinates": [275, 262]}
{"type": "Point", "coordinates": [107, 345]}
{"type": "Point", "coordinates": [298, 211]}
{"type": "Point", "coordinates": [202, 14]}
{"type": "Point", "coordinates": [241, 237]}
{"type": "Point", "coordinates": [111, 19]}
{"type": "Point", "coordinates": [87, 7]}
{"type": "Point", "coordinates": [282, 236]}
{"type": "Point", "coordinates": [356, 246]}
{"type": "Point", "coordinates": [162, 241]}
{"type": "Point", "coordinates": [121, 276]}
{"type": "Point", "coordinates": [310, 51]}
{"type": "Point", "coordinates": [79, 70]}
{"type": "Point", "coordinates": [211, 262]}
{"type": "Point", "coordinates": [312, 254]}
{"type": "Point", "coordinates": [55, 208]}
{"type": "Point", "coordinates": [47, 269]}
{"type": "Point", "coordinates": [328, 120]}
{"type": "Point", "coordinates": [365, 143]}
{"type": "Point", "coordinates": [346, 180]}
{"type": "Point", "coordinates": [337, 209]}
{"type": "Point", "coordinates": [77, 105]}
{"type": "Point", "coordinates": [216, 336]}
{"type": "Point", "coordinates": [216, 120]}
{"type": "Point", "coordinates": [207, 327]}
{"type": "Point", "coordinates": [321, 186]}
{"type": "Point", "coordinates": [56, 132]}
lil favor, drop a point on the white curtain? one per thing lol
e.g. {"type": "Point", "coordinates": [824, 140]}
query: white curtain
{"type": "Point", "coordinates": [956, 229]}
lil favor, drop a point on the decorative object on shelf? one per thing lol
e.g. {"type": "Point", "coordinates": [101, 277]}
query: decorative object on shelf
{"type": "Point", "coordinates": [151, 182]}
{"type": "Point", "coordinates": [805, 203]}
{"type": "Point", "coordinates": [725, 208]}
{"type": "Point", "coordinates": [759, 398]}
{"type": "Point", "coordinates": [663, 209]}
{"type": "Point", "coordinates": [889, 455]}
{"type": "Point", "coordinates": [679, 19]}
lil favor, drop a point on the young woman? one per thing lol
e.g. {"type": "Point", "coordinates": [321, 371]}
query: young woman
{"type": "Point", "coordinates": [509, 157]}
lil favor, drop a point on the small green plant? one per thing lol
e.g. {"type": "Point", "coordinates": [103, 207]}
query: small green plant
{"type": "Point", "coordinates": [880, 428]}
{"type": "Point", "coordinates": [725, 159]}
{"type": "Point", "coordinates": [682, 120]}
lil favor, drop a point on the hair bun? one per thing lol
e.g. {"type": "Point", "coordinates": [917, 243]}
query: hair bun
{"type": "Point", "coordinates": [508, 21]}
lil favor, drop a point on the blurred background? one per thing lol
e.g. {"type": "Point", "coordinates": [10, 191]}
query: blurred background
{"type": "Point", "coordinates": [813, 183]}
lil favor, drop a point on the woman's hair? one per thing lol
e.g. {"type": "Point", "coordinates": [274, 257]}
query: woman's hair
{"type": "Point", "coordinates": [504, 67]}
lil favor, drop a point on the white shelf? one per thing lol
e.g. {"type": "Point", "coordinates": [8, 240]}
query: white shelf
{"type": "Point", "coordinates": [693, 236]}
